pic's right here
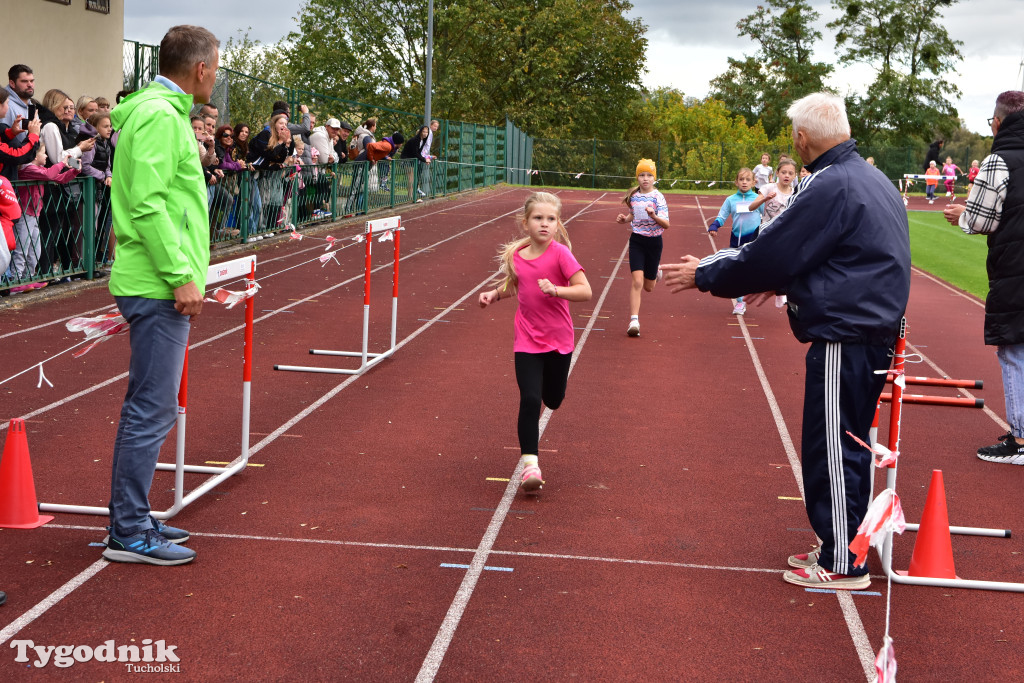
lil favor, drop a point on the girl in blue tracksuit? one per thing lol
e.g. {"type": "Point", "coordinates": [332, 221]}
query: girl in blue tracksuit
{"type": "Point", "coordinates": [745, 221]}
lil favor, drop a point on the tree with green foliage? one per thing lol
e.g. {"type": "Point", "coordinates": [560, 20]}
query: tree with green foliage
{"type": "Point", "coordinates": [906, 43]}
{"type": "Point", "coordinates": [555, 67]}
{"type": "Point", "coordinates": [762, 86]}
{"type": "Point", "coordinates": [249, 69]}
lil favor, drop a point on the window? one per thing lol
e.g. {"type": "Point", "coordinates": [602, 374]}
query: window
{"type": "Point", "coordinates": [97, 6]}
{"type": "Point", "coordinates": [62, 2]}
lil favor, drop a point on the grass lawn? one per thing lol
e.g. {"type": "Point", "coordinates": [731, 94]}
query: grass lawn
{"type": "Point", "coordinates": [947, 252]}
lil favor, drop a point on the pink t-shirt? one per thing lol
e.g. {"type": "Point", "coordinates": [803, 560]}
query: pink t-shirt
{"type": "Point", "coordinates": [543, 323]}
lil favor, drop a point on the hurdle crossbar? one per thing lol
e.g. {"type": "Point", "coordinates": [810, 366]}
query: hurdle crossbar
{"type": "Point", "coordinates": [895, 419]}
{"type": "Point", "coordinates": [367, 359]}
{"type": "Point", "coordinates": [221, 272]}
{"type": "Point", "coordinates": [921, 176]}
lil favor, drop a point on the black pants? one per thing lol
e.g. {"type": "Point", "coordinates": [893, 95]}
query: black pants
{"type": "Point", "coordinates": [541, 377]}
{"type": "Point", "coordinates": [840, 393]}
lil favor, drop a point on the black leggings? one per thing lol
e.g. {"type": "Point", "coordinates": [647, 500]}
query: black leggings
{"type": "Point", "coordinates": [541, 377]}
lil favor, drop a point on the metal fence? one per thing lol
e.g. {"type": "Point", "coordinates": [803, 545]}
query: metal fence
{"type": "Point", "coordinates": [65, 229]}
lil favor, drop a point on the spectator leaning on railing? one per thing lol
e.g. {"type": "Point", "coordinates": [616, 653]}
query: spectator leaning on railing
{"type": "Point", "coordinates": [29, 249]}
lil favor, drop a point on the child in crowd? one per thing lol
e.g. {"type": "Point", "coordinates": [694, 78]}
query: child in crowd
{"type": "Point", "coordinates": [10, 211]}
{"type": "Point", "coordinates": [26, 255]}
{"type": "Point", "coordinates": [972, 174]}
{"type": "Point", "coordinates": [775, 196]}
{"type": "Point", "coordinates": [746, 221]}
{"type": "Point", "coordinates": [803, 174]}
{"type": "Point", "coordinates": [763, 172]}
{"type": "Point", "coordinates": [98, 163]}
{"type": "Point", "coordinates": [932, 182]}
{"type": "Point", "coordinates": [648, 219]}
{"type": "Point", "coordinates": [103, 105]}
{"type": "Point", "coordinates": [950, 170]}
{"type": "Point", "coordinates": [540, 270]}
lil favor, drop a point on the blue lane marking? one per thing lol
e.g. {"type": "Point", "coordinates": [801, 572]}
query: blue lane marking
{"type": "Point", "coordinates": [449, 565]}
{"type": "Point", "coordinates": [833, 590]}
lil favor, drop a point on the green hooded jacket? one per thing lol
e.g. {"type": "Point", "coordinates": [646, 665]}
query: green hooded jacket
{"type": "Point", "coordinates": [158, 197]}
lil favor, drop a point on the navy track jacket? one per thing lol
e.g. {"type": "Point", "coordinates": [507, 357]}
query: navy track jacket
{"type": "Point", "coordinates": [840, 252]}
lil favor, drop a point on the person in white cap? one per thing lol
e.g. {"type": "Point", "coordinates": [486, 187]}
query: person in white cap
{"type": "Point", "coordinates": [323, 139]}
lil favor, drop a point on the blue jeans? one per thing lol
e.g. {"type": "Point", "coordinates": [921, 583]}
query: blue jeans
{"type": "Point", "coordinates": [1011, 360]}
{"type": "Point", "coordinates": [158, 336]}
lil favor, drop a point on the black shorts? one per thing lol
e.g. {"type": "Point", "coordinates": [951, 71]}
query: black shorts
{"type": "Point", "coordinates": [645, 254]}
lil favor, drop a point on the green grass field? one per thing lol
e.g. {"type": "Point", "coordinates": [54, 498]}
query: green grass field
{"type": "Point", "coordinates": [947, 252]}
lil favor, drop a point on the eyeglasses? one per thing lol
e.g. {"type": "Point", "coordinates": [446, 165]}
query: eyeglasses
{"type": "Point", "coordinates": [70, 107]}
{"type": "Point", "coordinates": [991, 120]}
{"type": "Point", "coordinates": [226, 135]}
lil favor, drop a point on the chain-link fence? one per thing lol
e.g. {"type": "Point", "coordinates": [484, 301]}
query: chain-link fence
{"type": "Point", "coordinates": [140, 64]}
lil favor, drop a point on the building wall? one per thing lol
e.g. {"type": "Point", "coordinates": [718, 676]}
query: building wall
{"type": "Point", "coordinates": [66, 46]}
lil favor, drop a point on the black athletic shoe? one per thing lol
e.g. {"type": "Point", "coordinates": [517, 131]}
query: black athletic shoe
{"type": "Point", "coordinates": [3, 597]}
{"type": "Point", "coordinates": [1006, 451]}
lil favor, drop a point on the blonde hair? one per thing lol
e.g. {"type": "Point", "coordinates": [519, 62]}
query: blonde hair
{"type": "Point", "coordinates": [744, 171]}
{"type": "Point", "coordinates": [274, 141]}
{"type": "Point", "coordinates": [54, 100]}
{"type": "Point", "coordinates": [507, 279]}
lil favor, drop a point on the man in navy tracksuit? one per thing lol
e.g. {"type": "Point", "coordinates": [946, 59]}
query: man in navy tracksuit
{"type": "Point", "coordinates": [841, 254]}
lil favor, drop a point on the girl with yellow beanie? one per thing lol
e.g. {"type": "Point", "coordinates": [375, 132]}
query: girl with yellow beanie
{"type": "Point", "coordinates": [648, 219]}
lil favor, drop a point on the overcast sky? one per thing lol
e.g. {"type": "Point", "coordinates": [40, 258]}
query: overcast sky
{"type": "Point", "coordinates": [689, 41]}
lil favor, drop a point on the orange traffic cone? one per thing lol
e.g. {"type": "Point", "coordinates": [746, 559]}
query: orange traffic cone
{"type": "Point", "coordinates": [933, 551]}
{"type": "Point", "coordinates": [18, 506]}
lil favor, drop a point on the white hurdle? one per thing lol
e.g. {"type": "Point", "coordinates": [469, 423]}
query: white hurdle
{"type": "Point", "coordinates": [921, 176]}
{"type": "Point", "coordinates": [383, 226]}
{"type": "Point", "coordinates": [230, 270]}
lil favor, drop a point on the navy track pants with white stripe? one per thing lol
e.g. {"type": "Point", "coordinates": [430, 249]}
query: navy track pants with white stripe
{"type": "Point", "coordinates": [840, 393]}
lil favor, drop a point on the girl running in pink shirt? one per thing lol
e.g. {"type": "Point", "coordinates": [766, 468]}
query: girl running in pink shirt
{"type": "Point", "coordinates": [540, 270]}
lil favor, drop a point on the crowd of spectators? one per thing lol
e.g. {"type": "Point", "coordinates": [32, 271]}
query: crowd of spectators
{"type": "Point", "coordinates": [46, 143]}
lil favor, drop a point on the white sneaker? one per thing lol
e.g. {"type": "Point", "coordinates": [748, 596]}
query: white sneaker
{"type": "Point", "coordinates": [422, 193]}
{"type": "Point", "coordinates": [740, 308]}
{"type": "Point", "coordinates": [634, 328]}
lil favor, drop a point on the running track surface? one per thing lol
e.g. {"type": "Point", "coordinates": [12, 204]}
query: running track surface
{"type": "Point", "coordinates": [654, 551]}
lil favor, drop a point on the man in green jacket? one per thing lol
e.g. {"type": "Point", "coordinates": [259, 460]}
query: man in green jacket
{"type": "Point", "coordinates": [158, 198]}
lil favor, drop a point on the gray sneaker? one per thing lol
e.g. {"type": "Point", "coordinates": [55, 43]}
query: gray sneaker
{"type": "Point", "coordinates": [147, 547]}
{"type": "Point", "coordinates": [802, 560]}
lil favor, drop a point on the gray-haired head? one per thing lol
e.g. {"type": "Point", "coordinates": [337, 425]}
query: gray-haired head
{"type": "Point", "coordinates": [821, 116]}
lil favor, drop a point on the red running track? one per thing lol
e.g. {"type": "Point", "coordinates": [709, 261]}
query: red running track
{"type": "Point", "coordinates": [654, 551]}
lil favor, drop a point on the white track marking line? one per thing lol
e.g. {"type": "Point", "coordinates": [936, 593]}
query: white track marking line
{"type": "Point", "coordinates": [52, 599]}
{"type": "Point", "coordinates": [974, 300]}
{"type": "Point", "coordinates": [449, 549]}
{"type": "Point", "coordinates": [54, 322]}
{"type": "Point", "coordinates": [264, 261]}
{"type": "Point", "coordinates": [942, 373]}
{"type": "Point", "coordinates": [432, 662]}
{"type": "Point", "coordinates": [95, 387]}
{"type": "Point", "coordinates": [850, 614]}
{"type": "Point", "coordinates": [65, 590]}
{"type": "Point", "coordinates": [93, 569]}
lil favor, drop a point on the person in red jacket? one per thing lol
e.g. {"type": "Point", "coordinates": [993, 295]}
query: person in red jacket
{"type": "Point", "coordinates": [10, 211]}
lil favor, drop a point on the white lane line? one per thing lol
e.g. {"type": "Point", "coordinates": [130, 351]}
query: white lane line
{"type": "Point", "coordinates": [850, 614]}
{"type": "Point", "coordinates": [970, 297]}
{"type": "Point", "coordinates": [267, 260]}
{"type": "Point", "coordinates": [449, 549]}
{"type": "Point", "coordinates": [432, 662]}
{"type": "Point", "coordinates": [95, 387]}
{"type": "Point", "coordinates": [52, 599]}
{"type": "Point", "coordinates": [942, 373]}
{"type": "Point", "coordinates": [65, 590]}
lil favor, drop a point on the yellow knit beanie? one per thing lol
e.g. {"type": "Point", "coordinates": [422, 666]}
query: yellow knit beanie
{"type": "Point", "coordinates": [646, 166]}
